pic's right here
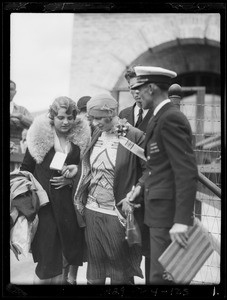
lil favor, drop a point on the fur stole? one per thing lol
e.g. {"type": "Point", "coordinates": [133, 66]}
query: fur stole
{"type": "Point", "coordinates": [40, 136]}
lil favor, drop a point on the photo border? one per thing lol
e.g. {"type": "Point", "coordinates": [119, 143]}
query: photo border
{"type": "Point", "coordinates": [86, 291]}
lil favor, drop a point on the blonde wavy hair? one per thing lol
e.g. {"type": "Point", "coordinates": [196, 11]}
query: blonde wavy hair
{"type": "Point", "coordinates": [62, 102]}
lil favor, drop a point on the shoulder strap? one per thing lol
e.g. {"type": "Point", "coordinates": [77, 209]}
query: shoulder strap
{"type": "Point", "coordinates": [131, 146]}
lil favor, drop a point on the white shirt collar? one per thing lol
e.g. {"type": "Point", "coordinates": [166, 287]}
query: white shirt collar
{"type": "Point", "coordinates": [160, 106]}
{"type": "Point", "coordinates": [136, 112]}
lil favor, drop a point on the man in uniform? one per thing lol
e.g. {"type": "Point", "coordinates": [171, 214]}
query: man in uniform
{"type": "Point", "coordinates": [169, 183]}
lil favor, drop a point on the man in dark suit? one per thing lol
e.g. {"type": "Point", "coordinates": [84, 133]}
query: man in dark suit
{"type": "Point", "coordinates": [135, 115]}
{"type": "Point", "coordinates": [169, 183]}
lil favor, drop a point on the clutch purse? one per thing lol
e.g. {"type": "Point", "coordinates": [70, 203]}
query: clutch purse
{"type": "Point", "coordinates": [133, 234]}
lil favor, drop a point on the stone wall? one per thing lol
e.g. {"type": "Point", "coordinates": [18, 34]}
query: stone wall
{"type": "Point", "coordinates": [104, 44]}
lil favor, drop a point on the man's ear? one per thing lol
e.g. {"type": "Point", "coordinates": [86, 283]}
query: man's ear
{"type": "Point", "coordinates": [153, 87]}
{"type": "Point", "coordinates": [150, 87]}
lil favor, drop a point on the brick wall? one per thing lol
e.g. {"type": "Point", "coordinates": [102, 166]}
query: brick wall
{"type": "Point", "coordinates": [104, 44]}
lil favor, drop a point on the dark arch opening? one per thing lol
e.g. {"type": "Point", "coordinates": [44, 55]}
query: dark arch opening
{"type": "Point", "coordinates": [196, 62]}
{"type": "Point", "coordinates": [209, 80]}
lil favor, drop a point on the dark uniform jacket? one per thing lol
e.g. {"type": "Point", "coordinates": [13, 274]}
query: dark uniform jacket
{"type": "Point", "coordinates": [170, 180]}
{"type": "Point", "coordinates": [128, 113]}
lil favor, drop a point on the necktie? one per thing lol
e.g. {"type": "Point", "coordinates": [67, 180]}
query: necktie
{"type": "Point", "coordinates": [140, 117]}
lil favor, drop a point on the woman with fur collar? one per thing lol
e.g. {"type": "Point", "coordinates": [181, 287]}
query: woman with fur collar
{"type": "Point", "coordinates": [59, 240]}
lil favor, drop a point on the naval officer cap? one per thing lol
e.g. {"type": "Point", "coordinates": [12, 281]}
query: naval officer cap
{"type": "Point", "coordinates": [149, 74]}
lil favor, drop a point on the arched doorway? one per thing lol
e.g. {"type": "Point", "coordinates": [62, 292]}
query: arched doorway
{"type": "Point", "coordinates": [196, 61]}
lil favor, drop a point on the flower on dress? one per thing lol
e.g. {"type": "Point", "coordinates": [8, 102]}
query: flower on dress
{"type": "Point", "coordinates": [121, 128]}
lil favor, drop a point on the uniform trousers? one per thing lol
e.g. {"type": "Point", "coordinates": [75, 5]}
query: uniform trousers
{"type": "Point", "coordinates": [159, 241]}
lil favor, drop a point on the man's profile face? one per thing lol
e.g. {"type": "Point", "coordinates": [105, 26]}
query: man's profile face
{"type": "Point", "coordinates": [146, 97]}
{"type": "Point", "coordinates": [12, 90]}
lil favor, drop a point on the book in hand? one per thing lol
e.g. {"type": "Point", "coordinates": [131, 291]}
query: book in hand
{"type": "Point", "coordinates": [58, 161]}
{"type": "Point", "coordinates": [182, 264]}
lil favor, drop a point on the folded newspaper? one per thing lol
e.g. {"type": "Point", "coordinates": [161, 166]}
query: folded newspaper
{"type": "Point", "coordinates": [182, 264]}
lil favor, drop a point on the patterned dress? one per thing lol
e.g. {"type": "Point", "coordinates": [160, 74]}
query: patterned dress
{"type": "Point", "coordinates": [108, 252]}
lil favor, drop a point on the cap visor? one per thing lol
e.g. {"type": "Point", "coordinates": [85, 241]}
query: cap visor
{"type": "Point", "coordinates": [134, 86]}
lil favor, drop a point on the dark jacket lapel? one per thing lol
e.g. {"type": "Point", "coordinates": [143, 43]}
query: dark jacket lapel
{"type": "Point", "coordinates": [94, 139]}
{"type": "Point", "coordinates": [130, 116]}
{"type": "Point", "coordinates": [153, 122]}
{"type": "Point", "coordinates": [143, 125]}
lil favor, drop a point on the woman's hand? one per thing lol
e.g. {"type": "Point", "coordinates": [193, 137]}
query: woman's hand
{"type": "Point", "coordinates": [126, 206]}
{"type": "Point", "coordinates": [126, 203]}
{"type": "Point", "coordinates": [135, 191]}
{"type": "Point", "coordinates": [69, 171]}
{"type": "Point", "coordinates": [60, 182]}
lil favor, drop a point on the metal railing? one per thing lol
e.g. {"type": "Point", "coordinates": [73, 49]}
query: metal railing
{"type": "Point", "coordinates": [203, 113]}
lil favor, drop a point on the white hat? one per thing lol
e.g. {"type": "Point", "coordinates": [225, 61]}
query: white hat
{"type": "Point", "coordinates": [146, 74]}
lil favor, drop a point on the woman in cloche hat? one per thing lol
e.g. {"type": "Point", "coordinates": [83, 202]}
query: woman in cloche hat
{"type": "Point", "coordinates": [108, 172]}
